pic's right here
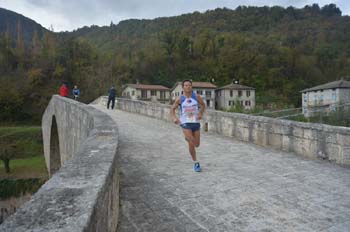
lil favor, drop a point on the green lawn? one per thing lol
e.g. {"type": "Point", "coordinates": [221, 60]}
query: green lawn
{"type": "Point", "coordinates": [28, 162]}
{"type": "Point", "coordinates": [26, 130]}
{"type": "Point", "coordinates": [33, 167]}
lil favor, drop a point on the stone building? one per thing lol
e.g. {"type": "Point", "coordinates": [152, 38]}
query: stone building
{"type": "Point", "coordinates": [325, 98]}
{"type": "Point", "coordinates": [147, 92]}
{"type": "Point", "coordinates": [229, 95]}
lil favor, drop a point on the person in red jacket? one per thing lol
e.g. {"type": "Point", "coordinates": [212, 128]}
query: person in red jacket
{"type": "Point", "coordinates": [64, 90]}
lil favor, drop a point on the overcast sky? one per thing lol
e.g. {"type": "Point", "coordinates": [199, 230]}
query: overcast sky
{"type": "Point", "coordinates": [67, 15]}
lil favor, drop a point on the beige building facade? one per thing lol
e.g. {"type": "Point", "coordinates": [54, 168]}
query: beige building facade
{"type": "Point", "coordinates": [147, 92]}
{"type": "Point", "coordinates": [229, 95]}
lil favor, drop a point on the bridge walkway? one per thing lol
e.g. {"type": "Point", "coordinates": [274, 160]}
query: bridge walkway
{"type": "Point", "coordinates": [243, 187]}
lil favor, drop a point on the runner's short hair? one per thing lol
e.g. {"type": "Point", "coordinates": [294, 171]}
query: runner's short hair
{"type": "Point", "coordinates": [186, 80]}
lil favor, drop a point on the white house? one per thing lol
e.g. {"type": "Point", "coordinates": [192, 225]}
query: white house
{"type": "Point", "coordinates": [146, 92]}
{"type": "Point", "coordinates": [325, 97]}
{"type": "Point", "coordinates": [205, 89]}
{"type": "Point", "coordinates": [229, 95]}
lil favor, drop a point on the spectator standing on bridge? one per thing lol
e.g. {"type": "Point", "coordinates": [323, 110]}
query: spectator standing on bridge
{"type": "Point", "coordinates": [191, 109]}
{"type": "Point", "coordinates": [111, 97]}
{"type": "Point", "coordinates": [64, 90]}
{"type": "Point", "coordinates": [76, 92]}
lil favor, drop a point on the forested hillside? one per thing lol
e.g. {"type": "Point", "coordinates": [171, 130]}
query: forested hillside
{"type": "Point", "coordinates": [279, 51]}
{"type": "Point", "coordinates": [17, 25]}
{"type": "Point", "coordinates": [276, 50]}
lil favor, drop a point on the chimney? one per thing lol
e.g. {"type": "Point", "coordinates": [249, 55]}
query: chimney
{"type": "Point", "coordinates": [234, 81]}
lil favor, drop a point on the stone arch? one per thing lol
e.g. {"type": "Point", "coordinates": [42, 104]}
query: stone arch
{"type": "Point", "coordinates": [55, 155]}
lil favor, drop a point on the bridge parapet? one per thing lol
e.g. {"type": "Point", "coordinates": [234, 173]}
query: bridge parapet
{"type": "Point", "coordinates": [307, 139]}
{"type": "Point", "coordinates": [80, 145]}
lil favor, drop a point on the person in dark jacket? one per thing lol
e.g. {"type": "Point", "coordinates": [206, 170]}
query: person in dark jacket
{"type": "Point", "coordinates": [111, 97]}
{"type": "Point", "coordinates": [64, 90]}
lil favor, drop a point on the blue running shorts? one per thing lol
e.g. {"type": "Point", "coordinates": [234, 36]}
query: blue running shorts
{"type": "Point", "coordinates": [191, 126]}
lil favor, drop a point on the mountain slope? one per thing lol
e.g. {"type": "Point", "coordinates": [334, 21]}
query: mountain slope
{"type": "Point", "coordinates": [10, 22]}
{"type": "Point", "coordinates": [290, 25]}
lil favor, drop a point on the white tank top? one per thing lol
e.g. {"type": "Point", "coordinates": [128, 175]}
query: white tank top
{"type": "Point", "coordinates": [189, 109]}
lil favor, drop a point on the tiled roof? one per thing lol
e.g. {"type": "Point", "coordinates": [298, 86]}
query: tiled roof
{"type": "Point", "coordinates": [330, 85]}
{"type": "Point", "coordinates": [198, 84]}
{"type": "Point", "coordinates": [148, 87]}
{"type": "Point", "coordinates": [235, 86]}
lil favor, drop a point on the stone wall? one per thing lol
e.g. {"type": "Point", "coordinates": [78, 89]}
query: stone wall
{"type": "Point", "coordinates": [10, 205]}
{"type": "Point", "coordinates": [83, 194]}
{"type": "Point", "coordinates": [307, 139]}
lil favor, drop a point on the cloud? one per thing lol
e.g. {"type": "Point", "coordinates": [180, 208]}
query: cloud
{"type": "Point", "coordinates": [69, 15]}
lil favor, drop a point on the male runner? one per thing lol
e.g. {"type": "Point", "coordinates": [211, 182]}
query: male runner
{"type": "Point", "coordinates": [191, 111]}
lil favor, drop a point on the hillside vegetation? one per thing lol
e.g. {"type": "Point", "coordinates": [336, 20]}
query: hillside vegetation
{"type": "Point", "coordinates": [279, 51]}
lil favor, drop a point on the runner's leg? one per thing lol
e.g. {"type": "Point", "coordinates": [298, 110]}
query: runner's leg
{"type": "Point", "coordinates": [197, 138]}
{"type": "Point", "coordinates": [191, 146]}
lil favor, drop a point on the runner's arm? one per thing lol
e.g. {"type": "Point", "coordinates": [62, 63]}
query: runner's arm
{"type": "Point", "coordinates": [172, 111]}
{"type": "Point", "coordinates": [201, 108]}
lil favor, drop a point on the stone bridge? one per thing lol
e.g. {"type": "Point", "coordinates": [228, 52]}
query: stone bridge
{"type": "Point", "coordinates": [117, 170]}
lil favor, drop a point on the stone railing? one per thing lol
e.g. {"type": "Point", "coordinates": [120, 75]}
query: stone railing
{"type": "Point", "coordinates": [80, 145]}
{"type": "Point", "coordinates": [307, 139]}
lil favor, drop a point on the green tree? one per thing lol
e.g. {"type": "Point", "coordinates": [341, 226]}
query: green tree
{"type": "Point", "coordinates": [8, 60]}
{"type": "Point", "coordinates": [169, 40]}
{"type": "Point", "coordinates": [11, 103]}
{"type": "Point", "coordinates": [8, 151]}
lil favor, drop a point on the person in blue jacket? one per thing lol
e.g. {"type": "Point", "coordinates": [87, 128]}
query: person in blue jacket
{"type": "Point", "coordinates": [76, 92]}
{"type": "Point", "coordinates": [111, 97]}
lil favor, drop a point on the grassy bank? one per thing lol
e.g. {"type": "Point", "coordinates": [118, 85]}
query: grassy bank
{"type": "Point", "coordinates": [26, 160]}
{"type": "Point", "coordinates": [33, 167]}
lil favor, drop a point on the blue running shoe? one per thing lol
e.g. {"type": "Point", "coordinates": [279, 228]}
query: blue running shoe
{"type": "Point", "coordinates": [197, 167]}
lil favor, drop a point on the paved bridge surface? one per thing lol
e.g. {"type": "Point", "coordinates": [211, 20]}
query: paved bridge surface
{"type": "Point", "coordinates": [242, 187]}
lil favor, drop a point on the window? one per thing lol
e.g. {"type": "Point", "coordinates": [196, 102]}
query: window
{"type": "Point", "coordinates": [199, 92]}
{"type": "Point", "coordinates": [248, 93]}
{"type": "Point", "coordinates": [208, 93]}
{"type": "Point", "coordinates": [240, 93]}
{"type": "Point", "coordinates": [247, 103]}
{"type": "Point", "coordinates": [334, 97]}
{"type": "Point", "coordinates": [153, 92]}
{"type": "Point", "coordinates": [231, 93]}
{"type": "Point", "coordinates": [162, 94]}
{"type": "Point", "coordinates": [133, 93]}
{"type": "Point", "coordinates": [143, 93]}
{"type": "Point", "coordinates": [231, 103]}
{"type": "Point", "coordinates": [241, 103]}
